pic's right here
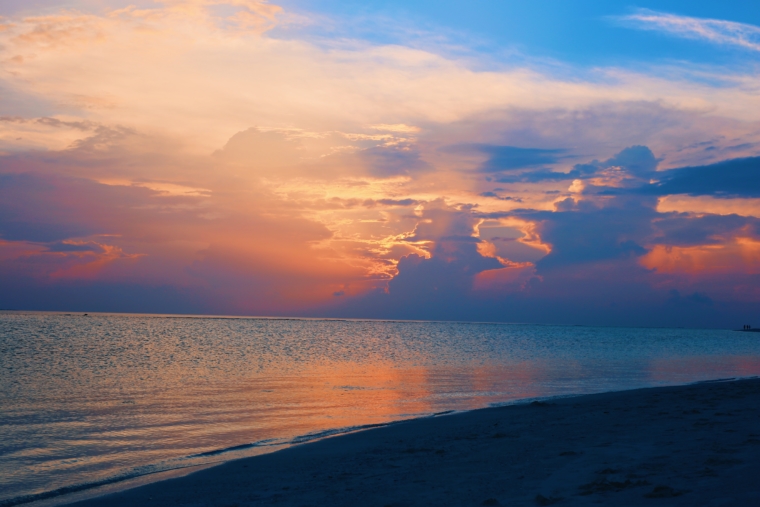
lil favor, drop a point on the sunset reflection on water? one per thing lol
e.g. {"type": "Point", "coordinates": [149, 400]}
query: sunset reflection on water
{"type": "Point", "coordinates": [86, 399]}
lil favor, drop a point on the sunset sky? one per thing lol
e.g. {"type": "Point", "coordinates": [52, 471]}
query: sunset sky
{"type": "Point", "coordinates": [586, 162]}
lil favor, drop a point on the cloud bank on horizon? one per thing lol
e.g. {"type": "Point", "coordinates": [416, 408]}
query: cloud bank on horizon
{"type": "Point", "coordinates": [302, 158]}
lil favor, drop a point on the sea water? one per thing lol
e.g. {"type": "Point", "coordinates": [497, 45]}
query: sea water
{"type": "Point", "coordinates": [92, 399]}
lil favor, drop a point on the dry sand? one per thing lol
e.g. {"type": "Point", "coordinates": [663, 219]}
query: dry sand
{"type": "Point", "coordinates": [689, 445]}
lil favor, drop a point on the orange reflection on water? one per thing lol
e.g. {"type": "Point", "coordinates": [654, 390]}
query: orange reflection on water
{"type": "Point", "coordinates": [348, 394]}
{"type": "Point", "coordinates": [119, 392]}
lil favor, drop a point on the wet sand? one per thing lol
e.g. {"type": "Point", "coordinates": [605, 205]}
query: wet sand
{"type": "Point", "coordinates": [695, 445]}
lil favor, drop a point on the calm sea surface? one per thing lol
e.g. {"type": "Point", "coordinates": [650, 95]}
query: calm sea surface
{"type": "Point", "coordinates": [86, 399]}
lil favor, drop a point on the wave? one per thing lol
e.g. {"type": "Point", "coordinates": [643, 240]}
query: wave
{"type": "Point", "coordinates": [177, 463]}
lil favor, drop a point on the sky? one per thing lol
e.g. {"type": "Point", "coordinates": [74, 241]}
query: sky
{"type": "Point", "coordinates": [589, 162]}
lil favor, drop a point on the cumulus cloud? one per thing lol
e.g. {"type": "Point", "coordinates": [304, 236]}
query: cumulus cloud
{"type": "Point", "coordinates": [632, 166]}
{"type": "Point", "coordinates": [434, 283]}
{"type": "Point", "coordinates": [614, 252]}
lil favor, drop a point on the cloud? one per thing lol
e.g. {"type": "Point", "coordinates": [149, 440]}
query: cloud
{"type": "Point", "coordinates": [712, 30]}
{"type": "Point", "coordinates": [391, 202]}
{"type": "Point", "coordinates": [382, 161]}
{"type": "Point", "coordinates": [433, 285]}
{"type": "Point", "coordinates": [447, 275]}
{"type": "Point", "coordinates": [39, 209]}
{"type": "Point", "coordinates": [637, 160]}
{"type": "Point", "coordinates": [186, 74]}
{"type": "Point", "coordinates": [501, 198]}
{"type": "Point", "coordinates": [631, 166]}
{"type": "Point", "coordinates": [695, 298]}
{"type": "Point", "coordinates": [70, 246]}
{"type": "Point", "coordinates": [587, 233]}
{"type": "Point", "coordinates": [184, 150]}
{"type": "Point", "coordinates": [703, 229]}
{"type": "Point", "coordinates": [247, 248]}
{"type": "Point", "coordinates": [724, 259]}
{"type": "Point", "coordinates": [730, 178]}
{"type": "Point", "coordinates": [439, 220]}
{"type": "Point", "coordinates": [261, 150]}
{"type": "Point", "coordinates": [507, 158]}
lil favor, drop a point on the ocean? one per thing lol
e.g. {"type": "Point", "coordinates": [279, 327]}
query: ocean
{"type": "Point", "coordinates": [99, 398]}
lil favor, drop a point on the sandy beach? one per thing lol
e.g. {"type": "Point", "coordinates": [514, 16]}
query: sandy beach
{"type": "Point", "coordinates": [687, 445]}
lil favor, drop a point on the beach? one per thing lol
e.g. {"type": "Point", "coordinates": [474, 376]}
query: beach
{"type": "Point", "coordinates": [696, 444]}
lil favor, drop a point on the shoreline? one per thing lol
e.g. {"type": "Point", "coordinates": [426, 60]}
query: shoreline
{"type": "Point", "coordinates": [76, 492]}
{"type": "Point", "coordinates": [67, 495]}
{"type": "Point", "coordinates": [440, 445]}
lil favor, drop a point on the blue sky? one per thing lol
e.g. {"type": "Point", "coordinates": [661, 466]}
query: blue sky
{"type": "Point", "coordinates": [578, 32]}
{"type": "Point", "coordinates": [582, 32]}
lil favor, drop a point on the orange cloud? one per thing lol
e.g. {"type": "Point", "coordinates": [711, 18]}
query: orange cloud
{"type": "Point", "coordinates": [274, 172]}
{"type": "Point", "coordinates": [741, 255]}
{"type": "Point", "coordinates": [10, 250]}
{"type": "Point", "coordinates": [87, 265]}
{"type": "Point", "coordinates": [502, 281]}
{"type": "Point", "coordinates": [707, 204]}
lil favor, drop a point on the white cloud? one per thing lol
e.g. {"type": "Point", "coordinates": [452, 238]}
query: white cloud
{"type": "Point", "coordinates": [181, 71]}
{"type": "Point", "coordinates": [714, 30]}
